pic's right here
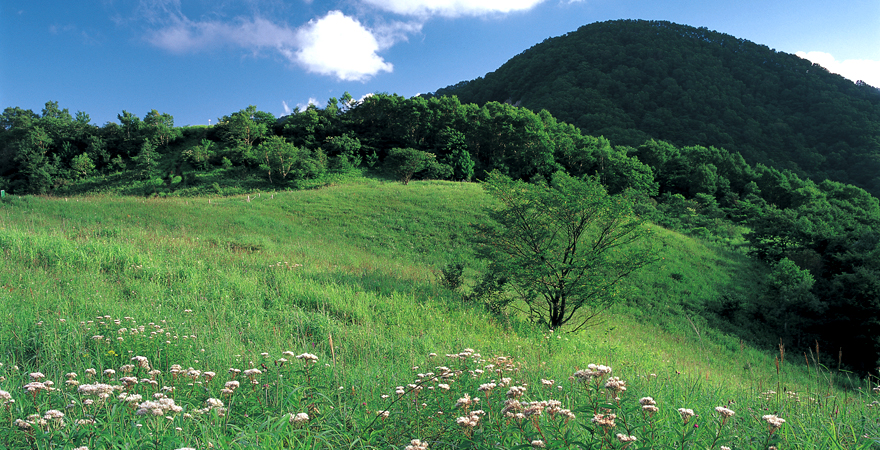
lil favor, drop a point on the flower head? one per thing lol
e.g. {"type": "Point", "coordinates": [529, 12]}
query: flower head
{"type": "Point", "coordinates": [686, 414]}
{"type": "Point", "coordinates": [299, 418]}
{"type": "Point", "coordinates": [486, 387]}
{"type": "Point", "coordinates": [307, 357]}
{"type": "Point", "coordinates": [773, 421]}
{"type": "Point", "coordinates": [53, 414]}
{"type": "Point", "coordinates": [624, 438]}
{"type": "Point", "coordinates": [725, 413]}
{"type": "Point", "coordinates": [604, 420]}
{"type": "Point", "coordinates": [416, 444]}
{"type": "Point", "coordinates": [466, 401]}
{"type": "Point", "coordinates": [615, 385]}
{"type": "Point", "coordinates": [469, 421]}
{"type": "Point", "coordinates": [516, 391]}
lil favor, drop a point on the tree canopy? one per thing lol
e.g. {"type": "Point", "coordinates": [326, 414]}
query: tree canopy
{"type": "Point", "coordinates": [561, 248]}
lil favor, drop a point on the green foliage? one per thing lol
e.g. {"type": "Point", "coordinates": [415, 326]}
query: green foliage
{"type": "Point", "coordinates": [496, 136]}
{"type": "Point", "coordinates": [462, 165]}
{"type": "Point", "coordinates": [633, 80]}
{"type": "Point", "coordinates": [789, 303]}
{"type": "Point", "coordinates": [200, 155]}
{"type": "Point", "coordinates": [309, 128]}
{"type": "Point", "coordinates": [118, 163]}
{"type": "Point", "coordinates": [406, 162]}
{"type": "Point", "coordinates": [452, 275]}
{"type": "Point", "coordinates": [35, 166]}
{"type": "Point", "coordinates": [147, 160]}
{"type": "Point", "coordinates": [159, 128]}
{"type": "Point", "coordinates": [344, 152]}
{"type": "Point", "coordinates": [243, 129]}
{"type": "Point", "coordinates": [563, 248]}
{"type": "Point", "coordinates": [277, 156]}
{"type": "Point", "coordinates": [454, 144]}
{"type": "Point", "coordinates": [128, 133]}
{"type": "Point", "coordinates": [82, 165]}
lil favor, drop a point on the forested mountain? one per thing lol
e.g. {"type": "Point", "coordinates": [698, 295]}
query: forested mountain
{"type": "Point", "coordinates": [630, 81]}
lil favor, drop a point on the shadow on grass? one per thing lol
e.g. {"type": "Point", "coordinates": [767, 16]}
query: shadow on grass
{"type": "Point", "coordinates": [383, 285]}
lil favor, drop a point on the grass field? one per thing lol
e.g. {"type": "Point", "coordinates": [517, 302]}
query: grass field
{"type": "Point", "coordinates": [334, 296]}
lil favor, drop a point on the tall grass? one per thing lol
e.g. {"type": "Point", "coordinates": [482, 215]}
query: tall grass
{"type": "Point", "coordinates": [350, 273]}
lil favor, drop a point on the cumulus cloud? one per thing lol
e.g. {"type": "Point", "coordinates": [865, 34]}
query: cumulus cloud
{"type": "Point", "coordinates": [335, 44]}
{"type": "Point", "coordinates": [341, 46]}
{"type": "Point", "coordinates": [452, 8]}
{"type": "Point", "coordinates": [854, 69]}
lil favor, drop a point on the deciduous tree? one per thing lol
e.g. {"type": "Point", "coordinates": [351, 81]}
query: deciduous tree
{"type": "Point", "coordinates": [561, 249]}
{"type": "Point", "coordinates": [277, 156]}
{"type": "Point", "coordinates": [405, 162]}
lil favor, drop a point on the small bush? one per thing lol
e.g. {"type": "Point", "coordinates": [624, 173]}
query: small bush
{"type": "Point", "coordinates": [452, 275]}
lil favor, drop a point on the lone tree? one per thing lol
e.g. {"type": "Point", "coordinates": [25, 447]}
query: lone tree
{"type": "Point", "coordinates": [559, 250]}
{"type": "Point", "coordinates": [405, 162]}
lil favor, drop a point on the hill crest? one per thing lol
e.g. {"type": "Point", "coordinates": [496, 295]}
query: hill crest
{"type": "Point", "coordinates": [633, 80]}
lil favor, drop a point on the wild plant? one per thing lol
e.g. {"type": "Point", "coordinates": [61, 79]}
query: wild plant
{"type": "Point", "coordinates": [463, 399]}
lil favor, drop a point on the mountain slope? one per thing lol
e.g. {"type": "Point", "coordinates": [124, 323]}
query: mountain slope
{"type": "Point", "coordinates": [635, 80]}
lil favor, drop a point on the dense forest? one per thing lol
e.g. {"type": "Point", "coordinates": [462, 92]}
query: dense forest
{"type": "Point", "coordinates": [818, 237]}
{"type": "Point", "coordinates": [630, 81]}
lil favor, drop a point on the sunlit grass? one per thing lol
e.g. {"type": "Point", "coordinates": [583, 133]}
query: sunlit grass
{"type": "Point", "coordinates": [349, 273]}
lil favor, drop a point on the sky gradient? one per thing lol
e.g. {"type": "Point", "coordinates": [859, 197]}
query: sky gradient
{"type": "Point", "coordinates": [199, 60]}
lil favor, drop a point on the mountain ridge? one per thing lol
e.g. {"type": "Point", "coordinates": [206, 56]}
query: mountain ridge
{"type": "Point", "coordinates": [631, 81]}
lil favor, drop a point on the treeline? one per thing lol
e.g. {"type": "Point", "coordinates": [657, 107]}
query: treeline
{"type": "Point", "coordinates": [819, 239]}
{"type": "Point", "coordinates": [820, 242]}
{"type": "Point", "coordinates": [633, 80]}
{"type": "Point", "coordinates": [54, 150]}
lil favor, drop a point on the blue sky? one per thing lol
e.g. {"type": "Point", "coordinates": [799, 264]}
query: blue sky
{"type": "Point", "coordinates": [199, 60]}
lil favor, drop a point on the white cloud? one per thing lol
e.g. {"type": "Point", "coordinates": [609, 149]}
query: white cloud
{"type": "Point", "coordinates": [339, 45]}
{"type": "Point", "coordinates": [335, 45]}
{"type": "Point", "coordinates": [389, 34]}
{"type": "Point", "coordinates": [452, 8]}
{"type": "Point", "coordinates": [287, 109]}
{"type": "Point", "coordinates": [854, 69]}
{"type": "Point", "coordinates": [310, 101]}
{"type": "Point", "coordinates": [181, 35]}
{"type": "Point", "coordinates": [89, 37]}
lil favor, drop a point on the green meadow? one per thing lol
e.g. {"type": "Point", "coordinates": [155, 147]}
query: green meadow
{"type": "Point", "coordinates": [321, 318]}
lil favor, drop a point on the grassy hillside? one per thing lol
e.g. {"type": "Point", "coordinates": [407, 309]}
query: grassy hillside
{"type": "Point", "coordinates": [350, 273]}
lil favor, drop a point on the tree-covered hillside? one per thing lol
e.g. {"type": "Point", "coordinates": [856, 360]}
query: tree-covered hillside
{"type": "Point", "coordinates": [633, 80]}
